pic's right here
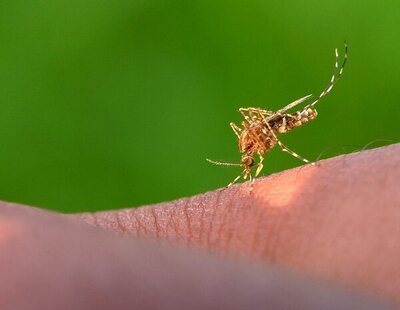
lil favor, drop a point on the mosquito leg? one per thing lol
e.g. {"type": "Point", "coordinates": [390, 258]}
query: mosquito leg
{"type": "Point", "coordinates": [261, 113]}
{"type": "Point", "coordinates": [235, 180]}
{"type": "Point", "coordinates": [253, 113]}
{"type": "Point", "coordinates": [254, 110]}
{"type": "Point", "coordinates": [236, 129]}
{"type": "Point", "coordinates": [260, 165]}
{"type": "Point", "coordinates": [251, 179]}
{"type": "Point", "coordinates": [245, 114]}
{"type": "Point", "coordinates": [335, 77]}
{"type": "Point", "coordinates": [284, 148]}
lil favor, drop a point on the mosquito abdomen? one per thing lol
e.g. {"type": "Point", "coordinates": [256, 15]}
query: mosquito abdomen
{"type": "Point", "coordinates": [289, 122]}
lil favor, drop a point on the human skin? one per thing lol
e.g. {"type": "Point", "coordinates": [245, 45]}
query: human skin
{"type": "Point", "coordinates": [295, 241]}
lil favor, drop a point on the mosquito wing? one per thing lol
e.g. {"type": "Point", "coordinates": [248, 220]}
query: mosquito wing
{"type": "Point", "coordinates": [288, 107]}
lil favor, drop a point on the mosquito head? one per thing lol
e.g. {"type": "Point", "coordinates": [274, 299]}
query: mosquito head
{"type": "Point", "coordinates": [247, 161]}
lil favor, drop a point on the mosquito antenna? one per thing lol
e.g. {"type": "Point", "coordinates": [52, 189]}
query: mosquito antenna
{"type": "Point", "coordinates": [218, 163]}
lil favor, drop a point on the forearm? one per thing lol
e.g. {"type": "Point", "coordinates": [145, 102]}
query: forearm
{"type": "Point", "coordinates": [339, 220]}
{"type": "Point", "coordinates": [48, 261]}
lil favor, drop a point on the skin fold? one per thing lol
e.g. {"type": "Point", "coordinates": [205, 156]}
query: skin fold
{"type": "Point", "coordinates": [314, 237]}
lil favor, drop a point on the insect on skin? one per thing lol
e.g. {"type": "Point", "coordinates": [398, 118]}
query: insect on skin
{"type": "Point", "coordinates": [260, 128]}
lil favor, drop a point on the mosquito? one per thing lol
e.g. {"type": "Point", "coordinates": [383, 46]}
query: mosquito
{"type": "Point", "coordinates": [260, 128]}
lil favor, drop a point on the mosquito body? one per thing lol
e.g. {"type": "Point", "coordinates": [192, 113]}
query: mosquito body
{"type": "Point", "coordinates": [260, 128]}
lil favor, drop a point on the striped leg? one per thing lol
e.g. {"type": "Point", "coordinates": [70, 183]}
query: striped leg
{"type": "Point", "coordinates": [260, 165]}
{"type": "Point", "coordinates": [335, 77]}
{"type": "Point", "coordinates": [284, 148]}
{"type": "Point", "coordinates": [236, 129]}
{"type": "Point", "coordinates": [237, 178]}
{"type": "Point", "coordinates": [251, 114]}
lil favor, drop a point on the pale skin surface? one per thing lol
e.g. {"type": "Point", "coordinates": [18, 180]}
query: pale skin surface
{"type": "Point", "coordinates": [328, 226]}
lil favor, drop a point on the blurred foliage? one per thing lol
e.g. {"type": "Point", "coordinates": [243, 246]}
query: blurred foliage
{"type": "Point", "coordinates": [109, 104]}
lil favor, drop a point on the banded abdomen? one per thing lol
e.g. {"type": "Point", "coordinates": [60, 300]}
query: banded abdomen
{"type": "Point", "coordinates": [288, 122]}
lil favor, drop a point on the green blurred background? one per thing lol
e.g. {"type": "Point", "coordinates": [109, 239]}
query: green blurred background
{"type": "Point", "coordinates": [110, 104]}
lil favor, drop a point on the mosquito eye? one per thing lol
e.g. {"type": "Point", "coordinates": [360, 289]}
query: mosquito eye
{"type": "Point", "coordinates": [248, 161]}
